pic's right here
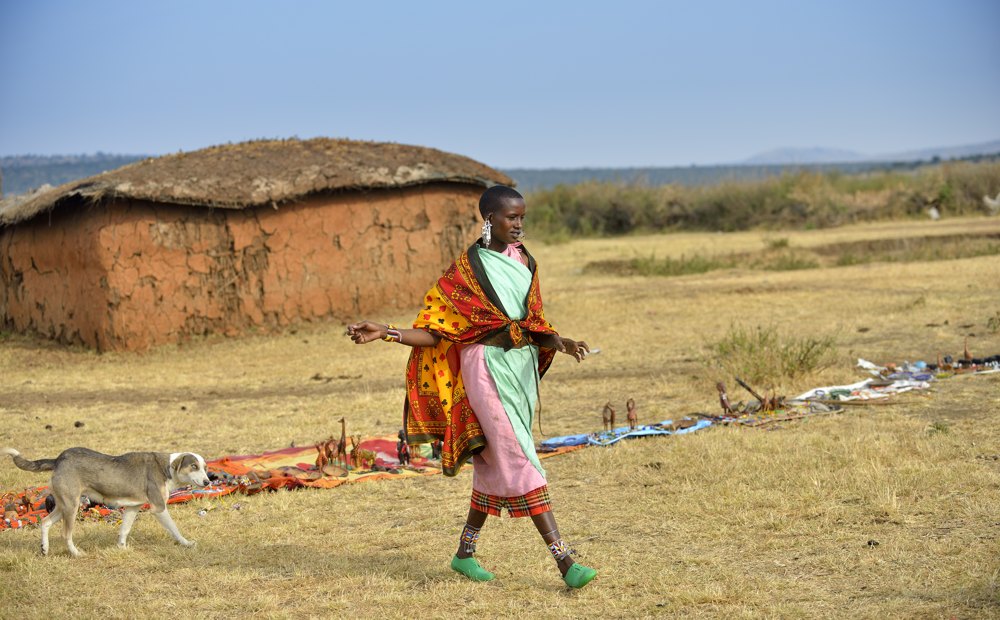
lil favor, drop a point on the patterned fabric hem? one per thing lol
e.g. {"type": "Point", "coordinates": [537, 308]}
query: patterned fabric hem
{"type": "Point", "coordinates": [531, 503]}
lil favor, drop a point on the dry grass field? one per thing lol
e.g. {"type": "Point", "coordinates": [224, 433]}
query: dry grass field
{"type": "Point", "coordinates": [722, 523]}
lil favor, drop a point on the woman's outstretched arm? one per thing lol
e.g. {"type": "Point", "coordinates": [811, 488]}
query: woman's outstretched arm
{"type": "Point", "coordinates": [576, 348]}
{"type": "Point", "coordinates": [367, 331]}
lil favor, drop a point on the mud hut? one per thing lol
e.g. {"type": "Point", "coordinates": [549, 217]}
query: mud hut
{"type": "Point", "coordinates": [258, 235]}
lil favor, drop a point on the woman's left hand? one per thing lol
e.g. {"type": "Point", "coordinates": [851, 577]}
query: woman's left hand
{"type": "Point", "coordinates": [576, 348]}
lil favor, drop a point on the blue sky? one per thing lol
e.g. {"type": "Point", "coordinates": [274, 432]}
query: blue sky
{"type": "Point", "coordinates": [512, 84]}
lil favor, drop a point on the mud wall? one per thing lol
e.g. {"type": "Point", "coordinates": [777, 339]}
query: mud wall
{"type": "Point", "coordinates": [131, 275]}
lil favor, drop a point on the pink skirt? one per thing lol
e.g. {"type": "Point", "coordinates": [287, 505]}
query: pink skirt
{"type": "Point", "coordinates": [501, 469]}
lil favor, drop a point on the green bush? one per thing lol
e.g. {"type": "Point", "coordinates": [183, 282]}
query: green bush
{"type": "Point", "coordinates": [805, 200]}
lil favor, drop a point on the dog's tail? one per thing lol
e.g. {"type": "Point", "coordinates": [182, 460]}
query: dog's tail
{"type": "Point", "coordinates": [26, 465]}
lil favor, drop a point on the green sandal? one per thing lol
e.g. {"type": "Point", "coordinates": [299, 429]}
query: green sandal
{"type": "Point", "coordinates": [470, 568]}
{"type": "Point", "coordinates": [579, 575]}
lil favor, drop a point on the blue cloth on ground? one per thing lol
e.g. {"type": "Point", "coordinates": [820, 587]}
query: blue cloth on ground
{"type": "Point", "coordinates": [565, 440]}
{"type": "Point", "coordinates": [607, 438]}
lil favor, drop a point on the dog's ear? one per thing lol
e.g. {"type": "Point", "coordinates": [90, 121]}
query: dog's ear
{"type": "Point", "coordinates": [185, 461]}
{"type": "Point", "coordinates": [178, 464]}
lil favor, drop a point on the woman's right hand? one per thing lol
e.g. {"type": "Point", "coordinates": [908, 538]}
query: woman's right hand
{"type": "Point", "coordinates": [366, 331]}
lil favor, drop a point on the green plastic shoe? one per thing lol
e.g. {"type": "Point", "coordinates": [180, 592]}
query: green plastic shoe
{"type": "Point", "coordinates": [470, 568]}
{"type": "Point", "coordinates": [579, 575]}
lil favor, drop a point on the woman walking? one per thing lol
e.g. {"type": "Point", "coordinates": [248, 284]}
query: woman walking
{"type": "Point", "coordinates": [480, 346]}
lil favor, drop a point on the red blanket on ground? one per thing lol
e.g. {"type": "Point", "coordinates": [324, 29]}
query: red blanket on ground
{"type": "Point", "coordinates": [288, 468]}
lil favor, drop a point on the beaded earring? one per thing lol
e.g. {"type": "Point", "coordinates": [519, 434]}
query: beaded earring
{"type": "Point", "coordinates": [487, 231]}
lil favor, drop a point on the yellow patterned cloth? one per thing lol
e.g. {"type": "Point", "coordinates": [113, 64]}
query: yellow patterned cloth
{"type": "Point", "coordinates": [462, 308]}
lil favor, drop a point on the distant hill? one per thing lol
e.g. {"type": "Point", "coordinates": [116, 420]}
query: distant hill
{"type": "Point", "coordinates": [797, 156]}
{"type": "Point", "coordinates": [948, 152]}
{"type": "Point", "coordinates": [763, 165]}
{"type": "Point", "coordinates": [534, 179]}
{"type": "Point", "coordinates": [22, 173]}
{"type": "Point", "coordinates": [804, 156]}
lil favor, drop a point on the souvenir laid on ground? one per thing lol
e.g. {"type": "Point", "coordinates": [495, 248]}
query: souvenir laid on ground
{"type": "Point", "coordinates": [632, 416]}
{"type": "Point", "coordinates": [886, 381]}
{"type": "Point", "coordinates": [375, 458]}
{"type": "Point", "coordinates": [790, 410]}
{"type": "Point", "coordinates": [667, 427]}
{"type": "Point", "coordinates": [893, 379]}
{"type": "Point", "coordinates": [869, 389]}
{"type": "Point", "coordinates": [328, 464]}
{"type": "Point", "coordinates": [614, 435]}
{"type": "Point", "coordinates": [764, 409]}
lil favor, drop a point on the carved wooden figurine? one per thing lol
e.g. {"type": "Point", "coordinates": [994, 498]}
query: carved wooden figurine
{"type": "Point", "coordinates": [342, 443]}
{"type": "Point", "coordinates": [321, 458]}
{"type": "Point", "coordinates": [402, 449]}
{"type": "Point", "coordinates": [9, 501]}
{"type": "Point", "coordinates": [355, 459]}
{"type": "Point", "coordinates": [608, 416]}
{"type": "Point", "coordinates": [633, 419]}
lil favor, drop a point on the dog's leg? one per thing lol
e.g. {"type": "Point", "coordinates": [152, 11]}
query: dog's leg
{"type": "Point", "coordinates": [131, 512]}
{"type": "Point", "coordinates": [69, 519]}
{"type": "Point", "coordinates": [164, 518]}
{"type": "Point", "coordinates": [50, 519]}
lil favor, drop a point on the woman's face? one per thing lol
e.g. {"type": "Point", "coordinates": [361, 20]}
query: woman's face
{"type": "Point", "coordinates": [508, 222]}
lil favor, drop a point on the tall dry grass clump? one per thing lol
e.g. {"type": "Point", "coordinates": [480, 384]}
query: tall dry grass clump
{"type": "Point", "coordinates": [764, 356]}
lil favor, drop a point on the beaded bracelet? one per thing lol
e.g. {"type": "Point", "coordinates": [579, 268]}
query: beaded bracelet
{"type": "Point", "coordinates": [392, 334]}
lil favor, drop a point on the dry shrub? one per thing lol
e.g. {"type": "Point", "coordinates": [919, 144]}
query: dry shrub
{"type": "Point", "coordinates": [763, 356]}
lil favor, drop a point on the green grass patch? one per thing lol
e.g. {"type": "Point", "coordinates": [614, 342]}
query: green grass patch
{"type": "Point", "coordinates": [779, 256]}
{"type": "Point", "coordinates": [938, 426]}
{"type": "Point", "coordinates": [788, 261]}
{"type": "Point", "coordinates": [653, 266]}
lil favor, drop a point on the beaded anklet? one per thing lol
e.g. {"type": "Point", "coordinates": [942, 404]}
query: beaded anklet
{"type": "Point", "coordinates": [559, 548]}
{"type": "Point", "coordinates": [470, 536]}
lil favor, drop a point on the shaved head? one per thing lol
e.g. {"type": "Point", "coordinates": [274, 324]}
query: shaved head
{"type": "Point", "coordinates": [496, 198]}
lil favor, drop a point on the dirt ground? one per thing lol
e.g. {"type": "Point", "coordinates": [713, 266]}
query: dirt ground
{"type": "Point", "coordinates": [724, 522]}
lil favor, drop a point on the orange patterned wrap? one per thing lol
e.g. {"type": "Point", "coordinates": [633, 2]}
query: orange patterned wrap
{"type": "Point", "coordinates": [463, 309]}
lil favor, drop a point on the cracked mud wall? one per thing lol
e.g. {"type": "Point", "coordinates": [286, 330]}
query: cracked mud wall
{"type": "Point", "coordinates": [132, 275]}
{"type": "Point", "coordinates": [50, 277]}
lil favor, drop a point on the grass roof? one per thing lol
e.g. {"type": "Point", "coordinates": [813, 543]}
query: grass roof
{"type": "Point", "coordinates": [260, 172]}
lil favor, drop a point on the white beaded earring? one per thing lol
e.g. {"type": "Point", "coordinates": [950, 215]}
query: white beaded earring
{"type": "Point", "coordinates": [487, 231]}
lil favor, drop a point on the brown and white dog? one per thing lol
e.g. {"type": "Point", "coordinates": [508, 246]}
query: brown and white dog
{"type": "Point", "coordinates": [128, 481]}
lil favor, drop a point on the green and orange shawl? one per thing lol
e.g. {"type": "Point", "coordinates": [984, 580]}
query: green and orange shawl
{"type": "Point", "coordinates": [462, 308]}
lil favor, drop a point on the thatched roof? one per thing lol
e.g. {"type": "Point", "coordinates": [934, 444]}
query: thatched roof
{"type": "Point", "coordinates": [262, 172]}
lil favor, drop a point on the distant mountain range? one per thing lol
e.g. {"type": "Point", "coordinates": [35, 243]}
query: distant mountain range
{"type": "Point", "coordinates": [23, 173]}
{"type": "Point", "coordinates": [796, 156]}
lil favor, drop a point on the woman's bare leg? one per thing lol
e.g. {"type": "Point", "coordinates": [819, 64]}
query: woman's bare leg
{"type": "Point", "coordinates": [545, 523]}
{"type": "Point", "coordinates": [475, 521]}
{"type": "Point", "coordinates": [575, 575]}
